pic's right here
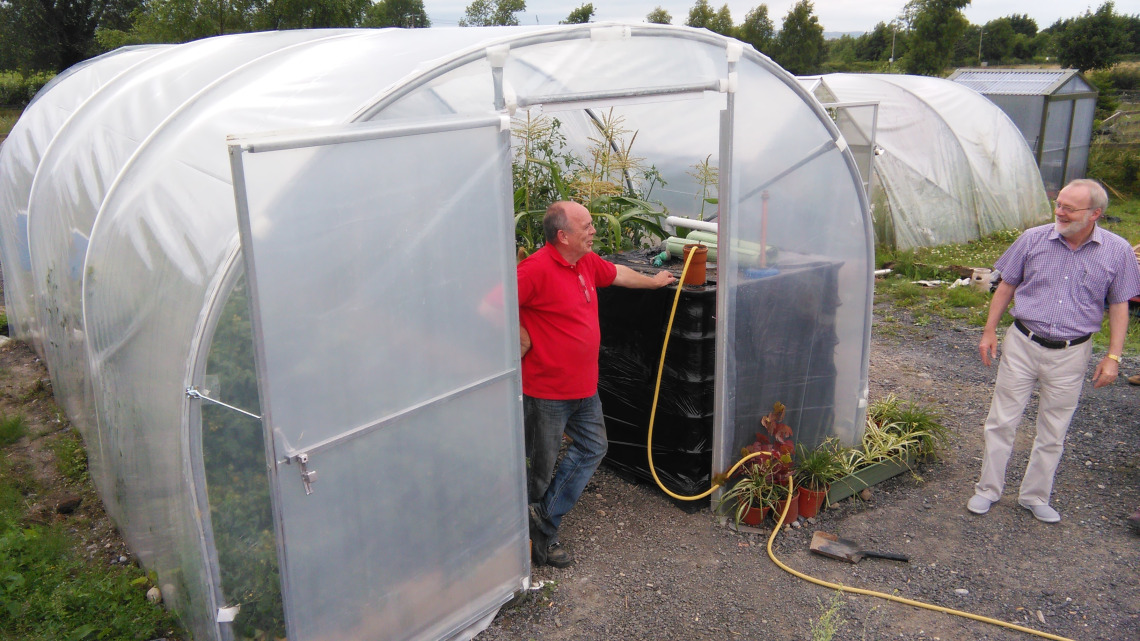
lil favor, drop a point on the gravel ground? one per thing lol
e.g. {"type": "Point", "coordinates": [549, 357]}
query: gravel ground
{"type": "Point", "coordinates": [648, 570]}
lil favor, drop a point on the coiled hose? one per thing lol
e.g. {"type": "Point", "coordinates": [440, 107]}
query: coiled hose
{"type": "Point", "coordinates": [787, 505]}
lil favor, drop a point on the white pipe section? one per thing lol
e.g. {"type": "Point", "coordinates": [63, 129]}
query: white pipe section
{"type": "Point", "coordinates": [689, 223]}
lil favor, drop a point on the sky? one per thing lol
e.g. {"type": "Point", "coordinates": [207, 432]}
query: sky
{"type": "Point", "coordinates": [834, 15]}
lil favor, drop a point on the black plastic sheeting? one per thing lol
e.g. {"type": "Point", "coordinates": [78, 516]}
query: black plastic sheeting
{"type": "Point", "coordinates": [785, 351]}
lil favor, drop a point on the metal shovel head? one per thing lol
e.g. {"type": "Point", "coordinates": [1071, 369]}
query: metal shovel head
{"type": "Point", "coordinates": [847, 550]}
{"type": "Point", "coordinates": [832, 546]}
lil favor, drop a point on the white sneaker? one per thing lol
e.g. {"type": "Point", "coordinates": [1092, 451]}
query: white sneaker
{"type": "Point", "coordinates": [979, 504]}
{"type": "Point", "coordinates": [1042, 513]}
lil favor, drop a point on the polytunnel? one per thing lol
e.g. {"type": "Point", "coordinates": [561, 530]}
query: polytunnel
{"type": "Point", "coordinates": [272, 276]}
{"type": "Point", "coordinates": [951, 168]}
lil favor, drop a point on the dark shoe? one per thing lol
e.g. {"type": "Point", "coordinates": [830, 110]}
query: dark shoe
{"type": "Point", "coordinates": [559, 556]}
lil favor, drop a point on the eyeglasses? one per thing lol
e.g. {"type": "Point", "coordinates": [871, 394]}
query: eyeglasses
{"type": "Point", "coordinates": [1065, 209]}
{"type": "Point", "coordinates": [585, 289]}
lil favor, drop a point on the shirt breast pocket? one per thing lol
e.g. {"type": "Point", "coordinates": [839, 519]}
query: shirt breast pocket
{"type": "Point", "coordinates": [1094, 284]}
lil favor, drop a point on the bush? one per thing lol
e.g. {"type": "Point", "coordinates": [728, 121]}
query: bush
{"type": "Point", "coordinates": [1117, 166]}
{"type": "Point", "coordinates": [17, 89]}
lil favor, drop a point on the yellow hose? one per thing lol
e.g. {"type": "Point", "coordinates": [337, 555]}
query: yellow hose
{"type": "Point", "coordinates": [787, 504]}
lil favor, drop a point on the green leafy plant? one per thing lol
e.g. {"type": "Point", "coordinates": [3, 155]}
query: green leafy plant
{"type": "Point", "coordinates": [755, 489]}
{"type": "Point", "coordinates": [827, 625]}
{"type": "Point", "coordinates": [818, 467]}
{"type": "Point", "coordinates": [612, 183]}
{"type": "Point", "coordinates": [911, 420]}
{"type": "Point", "coordinates": [12, 429]}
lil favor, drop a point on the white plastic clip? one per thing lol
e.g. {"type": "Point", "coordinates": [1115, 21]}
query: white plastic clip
{"type": "Point", "coordinates": [497, 55]}
{"type": "Point", "coordinates": [504, 122]}
{"type": "Point", "coordinates": [841, 142]}
{"type": "Point", "coordinates": [733, 82]}
{"type": "Point", "coordinates": [733, 50]}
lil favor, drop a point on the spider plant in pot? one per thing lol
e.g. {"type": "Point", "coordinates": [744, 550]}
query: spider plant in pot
{"type": "Point", "coordinates": [751, 496]}
{"type": "Point", "coordinates": [815, 469]}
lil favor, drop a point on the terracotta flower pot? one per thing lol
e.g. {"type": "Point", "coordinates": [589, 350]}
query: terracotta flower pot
{"type": "Point", "coordinates": [696, 273]}
{"type": "Point", "coordinates": [810, 501]}
{"type": "Point", "coordinates": [755, 515]}
{"type": "Point", "coordinates": [793, 508]}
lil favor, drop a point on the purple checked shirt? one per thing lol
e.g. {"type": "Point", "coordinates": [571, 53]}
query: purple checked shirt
{"type": "Point", "coordinates": [1060, 293]}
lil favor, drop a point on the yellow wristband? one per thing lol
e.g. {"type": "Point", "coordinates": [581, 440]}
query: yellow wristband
{"type": "Point", "coordinates": [1113, 357]}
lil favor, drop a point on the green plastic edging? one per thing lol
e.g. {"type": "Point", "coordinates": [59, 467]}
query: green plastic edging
{"type": "Point", "coordinates": [866, 477]}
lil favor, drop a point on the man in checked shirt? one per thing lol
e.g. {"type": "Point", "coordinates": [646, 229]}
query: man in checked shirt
{"type": "Point", "coordinates": [1062, 275]}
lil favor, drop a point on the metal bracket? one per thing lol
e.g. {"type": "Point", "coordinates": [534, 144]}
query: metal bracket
{"type": "Point", "coordinates": [192, 392]}
{"type": "Point", "coordinates": [308, 477]}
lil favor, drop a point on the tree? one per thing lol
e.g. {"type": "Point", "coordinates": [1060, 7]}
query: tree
{"type": "Point", "coordinates": [700, 15]}
{"type": "Point", "coordinates": [1092, 41]}
{"type": "Point", "coordinates": [581, 15]}
{"type": "Point", "coordinates": [308, 14]}
{"type": "Point", "coordinates": [1023, 24]}
{"type": "Point", "coordinates": [49, 34]}
{"type": "Point", "coordinates": [489, 13]}
{"type": "Point", "coordinates": [935, 26]}
{"type": "Point", "coordinates": [757, 29]}
{"type": "Point", "coordinates": [659, 16]}
{"type": "Point", "coordinates": [800, 46]}
{"type": "Point", "coordinates": [876, 45]}
{"type": "Point", "coordinates": [721, 21]}
{"type": "Point", "coordinates": [997, 40]}
{"type": "Point", "coordinates": [407, 14]}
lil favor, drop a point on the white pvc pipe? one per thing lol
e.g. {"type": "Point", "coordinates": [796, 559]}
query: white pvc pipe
{"type": "Point", "coordinates": [689, 223]}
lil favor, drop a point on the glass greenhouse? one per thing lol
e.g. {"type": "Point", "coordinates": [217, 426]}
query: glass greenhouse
{"type": "Point", "coordinates": [1054, 110]}
{"type": "Point", "coordinates": [272, 276]}
{"type": "Point", "coordinates": [951, 166]}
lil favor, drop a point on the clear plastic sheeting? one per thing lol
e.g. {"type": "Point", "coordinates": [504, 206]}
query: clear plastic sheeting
{"type": "Point", "coordinates": [385, 309]}
{"type": "Point", "coordinates": [19, 161]}
{"type": "Point", "coordinates": [953, 167]}
{"type": "Point", "coordinates": [406, 349]}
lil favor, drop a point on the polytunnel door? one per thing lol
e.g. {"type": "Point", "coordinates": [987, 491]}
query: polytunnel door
{"type": "Point", "coordinates": [380, 262]}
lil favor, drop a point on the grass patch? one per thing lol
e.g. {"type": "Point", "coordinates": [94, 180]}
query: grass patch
{"type": "Point", "coordinates": [70, 456]}
{"type": "Point", "coordinates": [50, 590]}
{"type": "Point", "coordinates": [3, 324]}
{"type": "Point", "coordinates": [12, 429]}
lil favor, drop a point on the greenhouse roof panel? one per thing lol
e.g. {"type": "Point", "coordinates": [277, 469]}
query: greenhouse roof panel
{"type": "Point", "coordinates": [1013, 82]}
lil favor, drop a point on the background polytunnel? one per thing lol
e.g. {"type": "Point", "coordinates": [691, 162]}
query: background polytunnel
{"type": "Point", "coordinates": [303, 410]}
{"type": "Point", "coordinates": [953, 167]}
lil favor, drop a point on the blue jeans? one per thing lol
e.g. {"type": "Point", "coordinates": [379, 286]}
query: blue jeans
{"type": "Point", "coordinates": [544, 422]}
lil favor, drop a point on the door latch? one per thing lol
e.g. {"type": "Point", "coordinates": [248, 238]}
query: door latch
{"type": "Point", "coordinates": [308, 477]}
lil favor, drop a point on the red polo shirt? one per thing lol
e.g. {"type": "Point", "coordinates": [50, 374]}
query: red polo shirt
{"type": "Point", "coordinates": [558, 306]}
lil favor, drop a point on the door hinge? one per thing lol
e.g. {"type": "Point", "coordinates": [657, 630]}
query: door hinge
{"type": "Point", "coordinates": [308, 477]}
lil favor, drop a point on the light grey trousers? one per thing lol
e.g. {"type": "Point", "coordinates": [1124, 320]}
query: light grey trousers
{"type": "Point", "coordinates": [1059, 374]}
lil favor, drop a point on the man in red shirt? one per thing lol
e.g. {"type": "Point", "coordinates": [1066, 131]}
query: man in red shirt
{"type": "Point", "coordinates": [560, 336]}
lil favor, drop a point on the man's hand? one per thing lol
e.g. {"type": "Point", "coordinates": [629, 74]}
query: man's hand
{"type": "Point", "coordinates": [988, 346]}
{"type": "Point", "coordinates": [1106, 372]}
{"type": "Point", "coordinates": [524, 341]}
{"type": "Point", "coordinates": [664, 278]}
{"type": "Point", "coordinates": [627, 277]}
